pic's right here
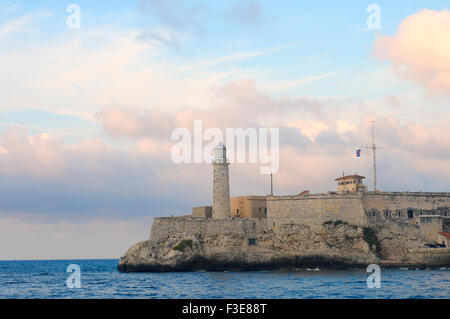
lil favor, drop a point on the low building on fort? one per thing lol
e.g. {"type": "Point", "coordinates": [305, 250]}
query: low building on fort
{"type": "Point", "coordinates": [240, 207]}
{"type": "Point", "coordinates": [202, 212]}
{"type": "Point", "coordinates": [248, 206]}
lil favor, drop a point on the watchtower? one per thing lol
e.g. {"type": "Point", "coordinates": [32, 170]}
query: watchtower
{"type": "Point", "coordinates": [221, 184]}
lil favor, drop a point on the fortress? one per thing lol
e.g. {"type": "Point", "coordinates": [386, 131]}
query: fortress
{"type": "Point", "coordinates": [344, 228]}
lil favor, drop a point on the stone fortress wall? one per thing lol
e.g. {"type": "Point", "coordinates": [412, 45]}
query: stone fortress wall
{"type": "Point", "coordinates": [427, 210]}
{"type": "Point", "coordinates": [423, 212]}
{"type": "Point", "coordinates": [413, 214]}
{"type": "Point", "coordinates": [406, 205]}
{"type": "Point", "coordinates": [313, 210]}
{"type": "Point", "coordinates": [358, 208]}
{"type": "Point", "coordinates": [165, 227]}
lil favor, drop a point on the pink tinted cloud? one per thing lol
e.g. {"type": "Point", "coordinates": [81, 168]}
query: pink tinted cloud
{"type": "Point", "coordinates": [317, 143]}
{"type": "Point", "coordinates": [37, 155]}
{"type": "Point", "coordinates": [241, 104]}
{"type": "Point", "coordinates": [420, 49]}
{"type": "Point", "coordinates": [119, 120]}
{"type": "Point", "coordinates": [312, 136]}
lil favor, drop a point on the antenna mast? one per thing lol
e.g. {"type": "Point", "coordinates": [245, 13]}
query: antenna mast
{"type": "Point", "coordinates": [374, 148]}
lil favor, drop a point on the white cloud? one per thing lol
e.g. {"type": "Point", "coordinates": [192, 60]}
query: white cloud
{"type": "Point", "coordinates": [14, 25]}
{"type": "Point", "coordinates": [22, 23]}
{"type": "Point", "coordinates": [234, 57]}
{"type": "Point", "coordinates": [284, 85]}
{"type": "Point", "coordinates": [420, 49]}
{"type": "Point", "coordinates": [84, 71]}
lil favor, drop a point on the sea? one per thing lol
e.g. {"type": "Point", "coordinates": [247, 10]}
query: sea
{"type": "Point", "coordinates": [99, 279]}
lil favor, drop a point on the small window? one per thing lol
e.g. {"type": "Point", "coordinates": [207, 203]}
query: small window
{"type": "Point", "coordinates": [410, 213]}
{"type": "Point", "coordinates": [251, 241]}
{"type": "Point", "coordinates": [260, 209]}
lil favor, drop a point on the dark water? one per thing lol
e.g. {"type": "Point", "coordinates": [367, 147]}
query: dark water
{"type": "Point", "coordinates": [100, 279]}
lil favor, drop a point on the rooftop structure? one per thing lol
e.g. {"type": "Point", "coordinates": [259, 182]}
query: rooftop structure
{"type": "Point", "coordinates": [351, 183]}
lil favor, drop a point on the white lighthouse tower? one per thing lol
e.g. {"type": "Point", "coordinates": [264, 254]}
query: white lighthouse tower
{"type": "Point", "coordinates": [221, 184]}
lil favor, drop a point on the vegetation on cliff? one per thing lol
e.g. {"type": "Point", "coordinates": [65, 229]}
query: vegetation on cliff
{"type": "Point", "coordinates": [183, 244]}
{"type": "Point", "coordinates": [370, 237]}
{"type": "Point", "coordinates": [337, 223]}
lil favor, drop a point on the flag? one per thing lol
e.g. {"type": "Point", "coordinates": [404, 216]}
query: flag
{"type": "Point", "coordinates": [358, 153]}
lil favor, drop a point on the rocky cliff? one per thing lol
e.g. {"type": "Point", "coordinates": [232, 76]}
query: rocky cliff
{"type": "Point", "coordinates": [248, 244]}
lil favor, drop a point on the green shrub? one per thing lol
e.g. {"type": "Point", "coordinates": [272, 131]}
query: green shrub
{"type": "Point", "coordinates": [335, 223]}
{"type": "Point", "coordinates": [370, 237]}
{"type": "Point", "coordinates": [183, 244]}
{"type": "Point", "coordinates": [339, 222]}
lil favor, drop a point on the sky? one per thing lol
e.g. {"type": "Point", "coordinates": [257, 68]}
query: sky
{"type": "Point", "coordinates": [86, 113]}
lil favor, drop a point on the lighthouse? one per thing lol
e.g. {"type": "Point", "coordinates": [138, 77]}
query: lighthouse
{"type": "Point", "coordinates": [221, 184]}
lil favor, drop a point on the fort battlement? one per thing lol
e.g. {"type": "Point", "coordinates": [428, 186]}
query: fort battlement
{"type": "Point", "coordinates": [357, 207]}
{"type": "Point", "coordinates": [439, 194]}
{"type": "Point", "coordinates": [164, 227]}
{"type": "Point", "coordinates": [315, 209]}
{"type": "Point", "coordinates": [408, 205]}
